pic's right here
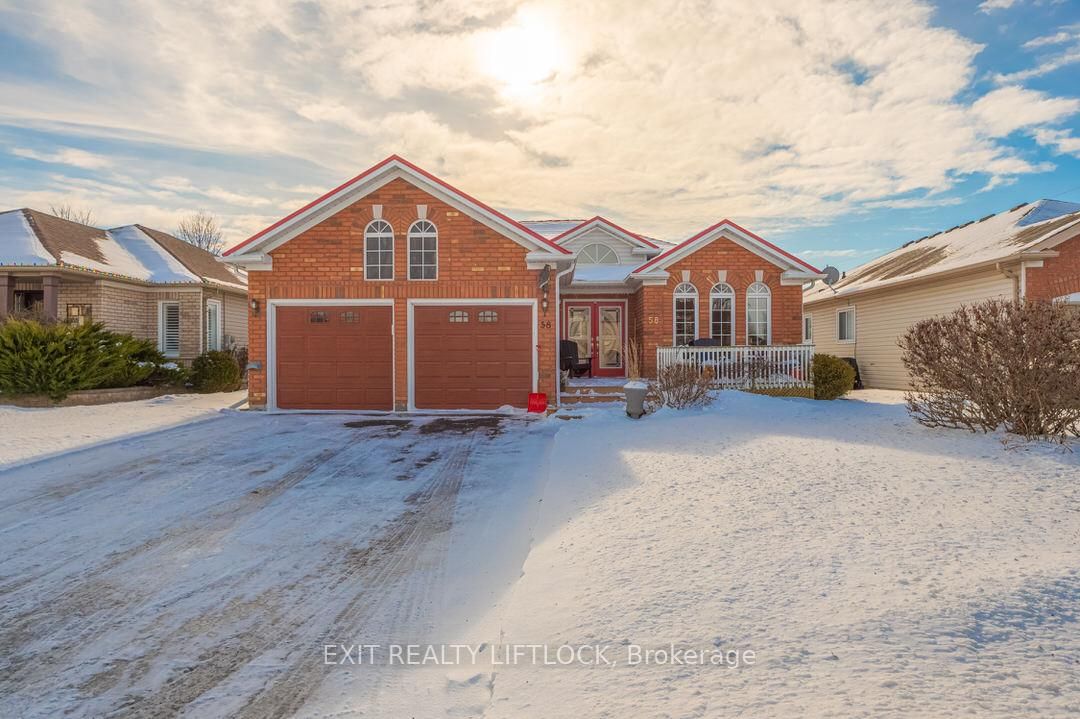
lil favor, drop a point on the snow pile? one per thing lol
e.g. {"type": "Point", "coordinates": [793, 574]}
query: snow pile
{"type": "Point", "coordinates": [34, 434]}
{"type": "Point", "coordinates": [873, 567]}
{"type": "Point", "coordinates": [18, 243]}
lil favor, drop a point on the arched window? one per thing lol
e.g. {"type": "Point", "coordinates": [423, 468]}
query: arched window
{"type": "Point", "coordinates": [722, 313]}
{"type": "Point", "coordinates": [685, 317]}
{"type": "Point", "coordinates": [423, 251]}
{"type": "Point", "coordinates": [758, 314]}
{"type": "Point", "coordinates": [378, 251]}
{"type": "Point", "coordinates": [597, 254]}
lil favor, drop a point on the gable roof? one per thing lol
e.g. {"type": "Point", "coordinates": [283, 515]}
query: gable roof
{"type": "Point", "coordinates": [730, 230]}
{"type": "Point", "coordinates": [371, 179]}
{"type": "Point", "coordinates": [551, 228]}
{"type": "Point", "coordinates": [606, 224]}
{"type": "Point", "coordinates": [1024, 228]}
{"type": "Point", "coordinates": [33, 238]}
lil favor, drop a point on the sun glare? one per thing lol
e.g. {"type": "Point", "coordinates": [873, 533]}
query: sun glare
{"type": "Point", "coordinates": [521, 56]}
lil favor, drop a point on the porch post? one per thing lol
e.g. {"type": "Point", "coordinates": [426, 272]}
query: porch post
{"type": "Point", "coordinates": [50, 284]}
{"type": "Point", "coordinates": [5, 295]}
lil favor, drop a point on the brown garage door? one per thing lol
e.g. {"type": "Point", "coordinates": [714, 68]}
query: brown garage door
{"type": "Point", "coordinates": [335, 358]}
{"type": "Point", "coordinates": [472, 356]}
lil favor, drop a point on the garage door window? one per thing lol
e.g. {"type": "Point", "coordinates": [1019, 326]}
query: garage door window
{"type": "Point", "coordinates": [489, 316]}
{"type": "Point", "coordinates": [423, 251]}
{"type": "Point", "coordinates": [459, 316]}
{"type": "Point", "coordinates": [318, 318]}
{"type": "Point", "coordinates": [379, 251]}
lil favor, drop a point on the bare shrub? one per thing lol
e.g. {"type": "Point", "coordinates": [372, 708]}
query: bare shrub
{"type": "Point", "coordinates": [201, 229]}
{"type": "Point", "coordinates": [633, 359]}
{"type": "Point", "coordinates": [997, 364]}
{"type": "Point", "coordinates": [680, 386]}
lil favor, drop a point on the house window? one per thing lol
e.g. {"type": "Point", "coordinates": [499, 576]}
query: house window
{"type": "Point", "coordinates": [459, 316]}
{"type": "Point", "coordinates": [722, 313]}
{"type": "Point", "coordinates": [845, 325]}
{"type": "Point", "coordinates": [489, 316]}
{"type": "Point", "coordinates": [758, 314]}
{"type": "Point", "coordinates": [423, 251]}
{"type": "Point", "coordinates": [213, 325]}
{"type": "Point", "coordinates": [379, 251]}
{"type": "Point", "coordinates": [80, 314]}
{"type": "Point", "coordinates": [597, 254]}
{"type": "Point", "coordinates": [685, 318]}
{"type": "Point", "coordinates": [807, 329]}
{"type": "Point", "coordinates": [169, 328]}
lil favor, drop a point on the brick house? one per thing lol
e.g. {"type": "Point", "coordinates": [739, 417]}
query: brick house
{"type": "Point", "coordinates": [132, 279]}
{"type": "Point", "coordinates": [396, 291]}
{"type": "Point", "coordinates": [1031, 251]}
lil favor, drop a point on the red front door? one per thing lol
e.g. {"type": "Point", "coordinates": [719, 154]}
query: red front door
{"type": "Point", "coordinates": [599, 329]}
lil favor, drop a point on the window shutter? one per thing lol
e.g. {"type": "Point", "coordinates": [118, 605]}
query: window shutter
{"type": "Point", "coordinates": [170, 329]}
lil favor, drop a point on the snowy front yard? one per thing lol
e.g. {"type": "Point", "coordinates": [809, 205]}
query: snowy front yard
{"type": "Point", "coordinates": [856, 563]}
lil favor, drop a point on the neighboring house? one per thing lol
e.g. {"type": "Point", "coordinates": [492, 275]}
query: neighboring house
{"type": "Point", "coordinates": [1031, 251]}
{"type": "Point", "coordinates": [132, 279]}
{"type": "Point", "coordinates": [397, 291]}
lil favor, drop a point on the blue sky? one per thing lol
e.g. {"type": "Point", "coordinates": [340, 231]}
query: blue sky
{"type": "Point", "coordinates": [838, 129]}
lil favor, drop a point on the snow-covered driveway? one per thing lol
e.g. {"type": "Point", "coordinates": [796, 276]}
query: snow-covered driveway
{"type": "Point", "coordinates": [200, 570]}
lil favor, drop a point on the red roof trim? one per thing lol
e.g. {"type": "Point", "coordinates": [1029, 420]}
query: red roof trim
{"type": "Point", "coordinates": [718, 225]}
{"type": "Point", "coordinates": [375, 168]}
{"type": "Point", "coordinates": [606, 221]}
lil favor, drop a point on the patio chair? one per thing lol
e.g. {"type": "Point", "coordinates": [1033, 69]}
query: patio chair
{"type": "Point", "coordinates": [577, 366]}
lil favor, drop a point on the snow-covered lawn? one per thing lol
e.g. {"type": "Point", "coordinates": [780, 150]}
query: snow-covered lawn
{"type": "Point", "coordinates": [32, 434]}
{"type": "Point", "coordinates": [873, 567]}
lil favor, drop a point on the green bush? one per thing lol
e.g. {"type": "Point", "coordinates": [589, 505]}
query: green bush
{"type": "Point", "coordinates": [56, 359]}
{"type": "Point", "coordinates": [215, 372]}
{"type": "Point", "coordinates": [833, 377]}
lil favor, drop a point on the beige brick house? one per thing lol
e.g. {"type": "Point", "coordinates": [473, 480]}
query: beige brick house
{"type": "Point", "coordinates": [132, 279]}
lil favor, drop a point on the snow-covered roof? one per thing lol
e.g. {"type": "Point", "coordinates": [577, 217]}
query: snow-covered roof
{"type": "Point", "coordinates": [551, 229]}
{"type": "Point", "coordinates": [32, 238]}
{"type": "Point", "coordinates": [601, 273]}
{"type": "Point", "coordinates": [993, 238]}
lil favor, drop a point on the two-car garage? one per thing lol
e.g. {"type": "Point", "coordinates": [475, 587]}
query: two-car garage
{"type": "Point", "coordinates": [458, 355]}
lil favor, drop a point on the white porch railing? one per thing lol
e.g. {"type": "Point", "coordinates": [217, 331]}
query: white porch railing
{"type": "Point", "coordinates": [745, 366]}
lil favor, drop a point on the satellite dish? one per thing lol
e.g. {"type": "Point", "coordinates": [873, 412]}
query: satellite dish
{"type": "Point", "coordinates": [832, 275]}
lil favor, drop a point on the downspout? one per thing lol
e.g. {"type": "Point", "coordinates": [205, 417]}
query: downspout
{"type": "Point", "coordinates": [558, 335]}
{"type": "Point", "coordinates": [1018, 283]}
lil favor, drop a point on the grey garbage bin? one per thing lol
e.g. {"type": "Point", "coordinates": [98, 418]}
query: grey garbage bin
{"type": "Point", "coordinates": [635, 391]}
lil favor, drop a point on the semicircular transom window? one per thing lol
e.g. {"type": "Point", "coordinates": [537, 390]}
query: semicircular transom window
{"type": "Point", "coordinates": [598, 254]}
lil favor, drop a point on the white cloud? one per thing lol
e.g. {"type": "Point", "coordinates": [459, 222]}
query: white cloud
{"type": "Point", "coordinates": [1068, 36]}
{"type": "Point", "coordinates": [1061, 140]}
{"type": "Point", "coordinates": [988, 6]}
{"type": "Point", "coordinates": [1011, 108]}
{"type": "Point", "coordinates": [840, 253]}
{"type": "Point", "coordinates": [65, 156]}
{"type": "Point", "coordinates": [664, 116]}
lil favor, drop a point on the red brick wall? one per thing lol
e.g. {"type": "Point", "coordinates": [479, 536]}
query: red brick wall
{"type": "Point", "coordinates": [654, 304]}
{"type": "Point", "coordinates": [327, 262]}
{"type": "Point", "coordinates": [1059, 275]}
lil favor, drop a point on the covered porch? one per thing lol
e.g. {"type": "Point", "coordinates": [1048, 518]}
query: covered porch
{"type": "Point", "coordinates": [23, 294]}
{"type": "Point", "coordinates": [745, 366]}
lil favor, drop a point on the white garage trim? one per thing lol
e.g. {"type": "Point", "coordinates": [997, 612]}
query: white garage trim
{"type": "Point", "coordinates": [271, 344]}
{"type": "Point", "coordinates": [455, 301]}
